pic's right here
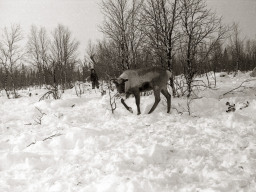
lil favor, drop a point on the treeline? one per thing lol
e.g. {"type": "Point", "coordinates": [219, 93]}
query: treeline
{"type": "Point", "coordinates": [183, 36]}
{"type": "Point", "coordinates": [45, 59]}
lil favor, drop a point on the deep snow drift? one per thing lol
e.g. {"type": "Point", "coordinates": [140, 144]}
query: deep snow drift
{"type": "Point", "coordinates": [76, 144]}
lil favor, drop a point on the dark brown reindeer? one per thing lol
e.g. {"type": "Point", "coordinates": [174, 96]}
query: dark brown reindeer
{"type": "Point", "coordinates": [145, 79]}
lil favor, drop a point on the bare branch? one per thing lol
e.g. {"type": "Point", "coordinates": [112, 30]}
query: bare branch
{"type": "Point", "coordinates": [240, 86]}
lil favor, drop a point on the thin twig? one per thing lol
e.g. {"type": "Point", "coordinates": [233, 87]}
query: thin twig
{"type": "Point", "coordinates": [241, 85]}
{"type": "Point", "coordinates": [52, 136]}
{"type": "Point", "coordinates": [47, 138]}
{"type": "Point", "coordinates": [39, 118]}
{"type": "Point", "coordinates": [31, 144]}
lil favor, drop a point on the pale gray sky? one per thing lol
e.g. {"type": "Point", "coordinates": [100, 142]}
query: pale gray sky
{"type": "Point", "coordinates": [240, 11]}
{"type": "Point", "coordinates": [84, 16]}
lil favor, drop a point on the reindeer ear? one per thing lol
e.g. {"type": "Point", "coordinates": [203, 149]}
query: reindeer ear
{"type": "Point", "coordinates": [119, 80]}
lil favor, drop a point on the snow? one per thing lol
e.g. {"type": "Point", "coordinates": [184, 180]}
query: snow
{"type": "Point", "coordinates": [77, 144]}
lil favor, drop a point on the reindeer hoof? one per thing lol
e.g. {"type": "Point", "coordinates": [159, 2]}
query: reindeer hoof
{"type": "Point", "coordinates": [130, 109]}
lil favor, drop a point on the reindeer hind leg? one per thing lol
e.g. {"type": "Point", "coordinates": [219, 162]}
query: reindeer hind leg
{"type": "Point", "coordinates": [168, 98]}
{"type": "Point", "coordinates": [157, 99]}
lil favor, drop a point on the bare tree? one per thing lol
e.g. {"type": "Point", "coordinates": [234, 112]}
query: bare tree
{"type": "Point", "coordinates": [64, 55]}
{"type": "Point", "coordinates": [250, 50]}
{"type": "Point", "coordinates": [161, 18]}
{"type": "Point", "coordinates": [84, 68]}
{"type": "Point", "coordinates": [236, 45]}
{"type": "Point", "coordinates": [122, 25]}
{"type": "Point", "coordinates": [200, 26]}
{"type": "Point", "coordinates": [54, 58]}
{"type": "Point", "coordinates": [40, 56]}
{"type": "Point", "coordinates": [11, 55]}
{"type": "Point", "coordinates": [38, 51]}
{"type": "Point", "coordinates": [104, 58]}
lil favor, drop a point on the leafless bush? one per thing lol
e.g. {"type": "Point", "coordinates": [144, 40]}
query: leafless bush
{"type": "Point", "coordinates": [180, 86]}
{"type": "Point", "coordinates": [79, 88]}
{"type": "Point", "coordinates": [52, 91]}
{"type": "Point", "coordinates": [112, 97]}
{"type": "Point", "coordinates": [39, 117]}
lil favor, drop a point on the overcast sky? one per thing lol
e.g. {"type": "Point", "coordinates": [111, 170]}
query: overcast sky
{"type": "Point", "coordinates": [84, 16]}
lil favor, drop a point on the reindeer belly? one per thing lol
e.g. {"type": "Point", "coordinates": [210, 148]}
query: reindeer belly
{"type": "Point", "coordinates": [147, 86]}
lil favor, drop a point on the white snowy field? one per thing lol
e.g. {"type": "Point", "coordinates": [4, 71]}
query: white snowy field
{"type": "Point", "coordinates": [80, 146]}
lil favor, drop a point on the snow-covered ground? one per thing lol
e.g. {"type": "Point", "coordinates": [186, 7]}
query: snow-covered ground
{"type": "Point", "coordinates": [76, 144]}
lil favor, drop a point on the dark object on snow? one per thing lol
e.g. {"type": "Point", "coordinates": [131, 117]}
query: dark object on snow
{"type": "Point", "coordinates": [223, 74]}
{"type": "Point", "coordinates": [140, 80]}
{"type": "Point", "coordinates": [94, 79]}
{"type": "Point", "coordinates": [244, 105]}
{"type": "Point", "coordinates": [231, 108]}
{"type": "Point", "coordinates": [103, 92]}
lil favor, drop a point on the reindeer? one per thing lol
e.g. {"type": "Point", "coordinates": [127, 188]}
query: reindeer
{"type": "Point", "coordinates": [145, 79]}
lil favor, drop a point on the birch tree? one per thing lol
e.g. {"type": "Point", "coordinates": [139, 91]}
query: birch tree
{"type": "Point", "coordinates": [11, 55]}
{"type": "Point", "coordinates": [236, 45]}
{"type": "Point", "coordinates": [64, 54]}
{"type": "Point", "coordinates": [161, 19]}
{"type": "Point", "coordinates": [39, 52]}
{"type": "Point", "coordinates": [122, 25]}
{"type": "Point", "coordinates": [200, 27]}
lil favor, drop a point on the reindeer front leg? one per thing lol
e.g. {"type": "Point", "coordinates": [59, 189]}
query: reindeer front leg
{"type": "Point", "coordinates": [126, 106]}
{"type": "Point", "coordinates": [137, 100]}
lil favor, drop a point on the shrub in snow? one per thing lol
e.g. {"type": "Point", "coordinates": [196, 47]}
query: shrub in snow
{"type": "Point", "coordinates": [79, 88]}
{"type": "Point", "coordinates": [54, 91]}
{"type": "Point", "coordinates": [112, 98]}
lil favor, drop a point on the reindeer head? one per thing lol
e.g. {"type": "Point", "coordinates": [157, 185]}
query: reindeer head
{"type": "Point", "coordinates": [120, 84]}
